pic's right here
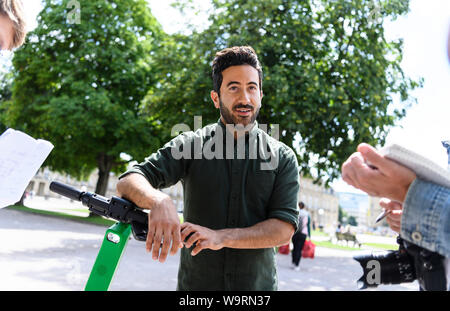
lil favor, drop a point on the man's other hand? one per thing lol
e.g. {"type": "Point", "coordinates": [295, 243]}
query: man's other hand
{"type": "Point", "coordinates": [201, 237]}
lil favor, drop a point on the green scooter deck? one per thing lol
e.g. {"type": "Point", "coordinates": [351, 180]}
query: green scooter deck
{"type": "Point", "coordinates": [108, 258]}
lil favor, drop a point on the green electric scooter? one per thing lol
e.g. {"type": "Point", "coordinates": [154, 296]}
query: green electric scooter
{"type": "Point", "coordinates": [131, 219]}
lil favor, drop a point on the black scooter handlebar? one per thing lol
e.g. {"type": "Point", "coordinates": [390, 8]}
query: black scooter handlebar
{"type": "Point", "coordinates": [116, 208]}
{"type": "Point", "coordinates": [65, 190]}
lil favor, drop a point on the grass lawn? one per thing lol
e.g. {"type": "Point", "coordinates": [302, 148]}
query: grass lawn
{"type": "Point", "coordinates": [318, 233]}
{"type": "Point", "coordinates": [328, 244]}
{"type": "Point", "coordinates": [93, 220]}
{"type": "Point", "coordinates": [97, 220]}
{"type": "Point", "coordinates": [317, 238]}
{"type": "Point", "coordinates": [375, 246]}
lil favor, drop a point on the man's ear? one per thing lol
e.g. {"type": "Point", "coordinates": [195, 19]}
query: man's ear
{"type": "Point", "coordinates": [215, 99]}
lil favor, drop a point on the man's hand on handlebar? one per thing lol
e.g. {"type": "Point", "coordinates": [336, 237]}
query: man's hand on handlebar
{"type": "Point", "coordinates": [163, 230]}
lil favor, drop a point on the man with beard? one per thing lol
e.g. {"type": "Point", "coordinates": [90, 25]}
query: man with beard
{"type": "Point", "coordinates": [236, 207]}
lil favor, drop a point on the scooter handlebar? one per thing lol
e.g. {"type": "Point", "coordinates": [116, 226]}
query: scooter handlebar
{"type": "Point", "coordinates": [65, 190]}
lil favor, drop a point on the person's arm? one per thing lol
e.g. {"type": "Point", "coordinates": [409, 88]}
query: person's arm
{"type": "Point", "coordinates": [283, 203]}
{"type": "Point", "coordinates": [140, 185]}
{"type": "Point", "coordinates": [266, 234]}
{"type": "Point", "coordinates": [163, 218]}
{"type": "Point", "coordinates": [388, 179]}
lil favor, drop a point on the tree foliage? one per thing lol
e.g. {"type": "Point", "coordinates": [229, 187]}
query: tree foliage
{"type": "Point", "coordinates": [6, 81]}
{"type": "Point", "coordinates": [79, 82]}
{"type": "Point", "coordinates": [352, 221]}
{"type": "Point", "coordinates": [330, 75]}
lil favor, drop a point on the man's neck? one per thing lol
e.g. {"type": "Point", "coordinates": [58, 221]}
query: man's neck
{"type": "Point", "coordinates": [239, 130]}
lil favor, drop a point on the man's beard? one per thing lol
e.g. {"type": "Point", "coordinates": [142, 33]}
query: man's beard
{"type": "Point", "coordinates": [229, 118]}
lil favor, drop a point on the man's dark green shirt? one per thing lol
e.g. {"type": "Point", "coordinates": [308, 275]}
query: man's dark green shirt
{"type": "Point", "coordinates": [227, 185]}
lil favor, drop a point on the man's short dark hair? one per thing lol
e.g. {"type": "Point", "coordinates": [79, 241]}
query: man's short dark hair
{"type": "Point", "coordinates": [234, 56]}
{"type": "Point", "coordinates": [301, 204]}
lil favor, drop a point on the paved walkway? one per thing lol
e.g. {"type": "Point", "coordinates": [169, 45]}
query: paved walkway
{"type": "Point", "coordinates": [47, 253]}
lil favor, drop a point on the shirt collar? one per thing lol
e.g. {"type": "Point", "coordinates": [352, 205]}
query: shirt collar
{"type": "Point", "coordinates": [252, 132]}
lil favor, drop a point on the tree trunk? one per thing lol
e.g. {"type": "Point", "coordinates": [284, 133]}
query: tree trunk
{"type": "Point", "coordinates": [20, 202]}
{"type": "Point", "coordinates": [105, 164]}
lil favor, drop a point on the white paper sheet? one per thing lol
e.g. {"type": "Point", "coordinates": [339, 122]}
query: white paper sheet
{"type": "Point", "coordinates": [422, 166]}
{"type": "Point", "coordinates": [21, 156]}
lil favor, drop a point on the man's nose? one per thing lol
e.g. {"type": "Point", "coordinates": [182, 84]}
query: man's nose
{"type": "Point", "coordinates": [244, 97]}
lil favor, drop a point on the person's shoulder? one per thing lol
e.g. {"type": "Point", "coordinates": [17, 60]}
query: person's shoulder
{"type": "Point", "coordinates": [277, 144]}
{"type": "Point", "coordinates": [191, 135]}
{"type": "Point", "coordinates": [205, 132]}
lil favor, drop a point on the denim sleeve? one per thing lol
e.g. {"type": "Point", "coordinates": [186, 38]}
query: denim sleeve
{"type": "Point", "coordinates": [426, 216]}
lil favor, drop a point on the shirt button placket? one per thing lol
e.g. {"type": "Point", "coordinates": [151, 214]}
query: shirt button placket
{"type": "Point", "coordinates": [234, 195]}
{"type": "Point", "coordinates": [233, 210]}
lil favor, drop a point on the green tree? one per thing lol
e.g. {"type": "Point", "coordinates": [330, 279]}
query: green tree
{"type": "Point", "coordinates": [79, 81]}
{"type": "Point", "coordinates": [341, 215]}
{"type": "Point", "coordinates": [330, 75]}
{"type": "Point", "coordinates": [352, 221]}
{"type": "Point", "coordinates": [5, 96]}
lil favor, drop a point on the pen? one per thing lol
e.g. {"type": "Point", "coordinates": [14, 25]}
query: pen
{"type": "Point", "coordinates": [382, 216]}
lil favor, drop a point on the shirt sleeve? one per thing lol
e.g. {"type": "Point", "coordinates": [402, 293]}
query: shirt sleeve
{"type": "Point", "coordinates": [283, 201]}
{"type": "Point", "coordinates": [426, 216]}
{"type": "Point", "coordinates": [168, 165]}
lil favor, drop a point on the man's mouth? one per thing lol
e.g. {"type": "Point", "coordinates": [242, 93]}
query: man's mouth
{"type": "Point", "coordinates": [243, 112]}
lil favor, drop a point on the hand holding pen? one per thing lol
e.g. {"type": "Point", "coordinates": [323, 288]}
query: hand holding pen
{"type": "Point", "coordinates": [393, 212]}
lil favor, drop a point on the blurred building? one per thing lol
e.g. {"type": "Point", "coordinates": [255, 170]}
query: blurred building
{"type": "Point", "coordinates": [176, 193]}
{"type": "Point", "coordinates": [321, 202]}
{"type": "Point", "coordinates": [356, 205]}
{"type": "Point", "coordinates": [373, 212]}
{"type": "Point", "coordinates": [40, 183]}
{"type": "Point", "coordinates": [363, 207]}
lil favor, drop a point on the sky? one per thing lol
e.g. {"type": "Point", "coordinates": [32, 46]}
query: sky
{"type": "Point", "coordinates": [424, 31]}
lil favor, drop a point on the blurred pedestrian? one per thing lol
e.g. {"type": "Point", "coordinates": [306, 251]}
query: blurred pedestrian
{"type": "Point", "coordinates": [299, 237]}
